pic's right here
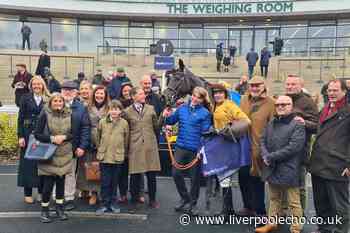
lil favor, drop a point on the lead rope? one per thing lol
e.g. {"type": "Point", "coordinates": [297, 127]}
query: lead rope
{"type": "Point", "coordinates": [173, 160]}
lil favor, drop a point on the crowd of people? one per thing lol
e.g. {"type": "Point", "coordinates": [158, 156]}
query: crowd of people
{"type": "Point", "coordinates": [117, 125]}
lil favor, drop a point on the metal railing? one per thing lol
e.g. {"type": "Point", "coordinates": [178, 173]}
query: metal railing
{"type": "Point", "coordinates": [85, 61]}
{"type": "Point", "coordinates": [324, 65]}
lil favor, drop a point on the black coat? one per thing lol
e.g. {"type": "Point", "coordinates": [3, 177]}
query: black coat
{"type": "Point", "coordinates": [44, 61]}
{"type": "Point", "coordinates": [27, 118]}
{"type": "Point", "coordinates": [331, 149]}
{"type": "Point", "coordinates": [53, 85]}
{"type": "Point", "coordinates": [156, 101]}
{"type": "Point", "coordinates": [81, 126]}
{"type": "Point", "coordinates": [282, 145]}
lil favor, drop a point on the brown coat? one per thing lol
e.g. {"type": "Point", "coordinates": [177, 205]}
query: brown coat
{"type": "Point", "coordinates": [260, 112]}
{"type": "Point", "coordinates": [143, 146]}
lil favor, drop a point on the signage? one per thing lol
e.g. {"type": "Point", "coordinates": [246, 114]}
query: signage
{"type": "Point", "coordinates": [164, 63]}
{"type": "Point", "coordinates": [165, 47]}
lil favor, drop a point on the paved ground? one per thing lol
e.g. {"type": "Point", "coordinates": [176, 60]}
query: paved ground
{"type": "Point", "coordinates": [154, 221]}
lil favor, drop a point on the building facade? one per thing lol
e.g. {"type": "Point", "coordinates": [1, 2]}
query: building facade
{"type": "Point", "coordinates": [193, 26]}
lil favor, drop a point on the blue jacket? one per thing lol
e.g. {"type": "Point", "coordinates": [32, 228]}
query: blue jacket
{"type": "Point", "coordinates": [265, 58]}
{"type": "Point", "coordinates": [81, 126]}
{"type": "Point", "coordinates": [252, 57]}
{"type": "Point", "coordinates": [193, 123]}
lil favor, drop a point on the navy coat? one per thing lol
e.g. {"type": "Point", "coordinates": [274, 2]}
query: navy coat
{"type": "Point", "coordinates": [27, 118]}
{"type": "Point", "coordinates": [81, 126]}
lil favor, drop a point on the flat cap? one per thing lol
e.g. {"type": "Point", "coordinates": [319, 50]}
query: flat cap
{"type": "Point", "coordinates": [69, 85]}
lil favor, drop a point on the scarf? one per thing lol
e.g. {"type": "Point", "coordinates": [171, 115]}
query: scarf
{"type": "Point", "coordinates": [328, 110]}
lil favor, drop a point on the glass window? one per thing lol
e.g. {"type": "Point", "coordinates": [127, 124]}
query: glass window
{"type": "Point", "coordinates": [89, 38]}
{"type": "Point", "coordinates": [140, 37]}
{"type": "Point", "coordinates": [235, 39]}
{"type": "Point", "coordinates": [343, 42]}
{"type": "Point", "coordinates": [10, 35]}
{"type": "Point", "coordinates": [293, 32]}
{"type": "Point", "coordinates": [260, 40]}
{"type": "Point", "coordinates": [247, 41]}
{"type": "Point", "coordinates": [166, 33]}
{"type": "Point", "coordinates": [294, 47]}
{"type": "Point", "coordinates": [64, 37]}
{"type": "Point", "coordinates": [116, 23]}
{"type": "Point", "coordinates": [40, 31]}
{"type": "Point", "coordinates": [322, 31]}
{"type": "Point", "coordinates": [121, 32]}
{"type": "Point", "coordinates": [190, 46]}
{"type": "Point", "coordinates": [343, 31]}
{"type": "Point", "coordinates": [165, 25]}
{"type": "Point", "coordinates": [91, 22]}
{"type": "Point", "coordinates": [191, 33]}
{"type": "Point", "coordinates": [140, 24]}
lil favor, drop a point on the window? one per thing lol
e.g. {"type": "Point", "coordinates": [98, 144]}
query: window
{"type": "Point", "coordinates": [64, 37]}
{"type": "Point", "coordinates": [89, 38]}
{"type": "Point", "coordinates": [40, 31]}
{"type": "Point", "coordinates": [10, 34]}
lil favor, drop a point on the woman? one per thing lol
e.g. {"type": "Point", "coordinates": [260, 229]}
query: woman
{"type": "Point", "coordinates": [97, 110]}
{"type": "Point", "coordinates": [126, 101]}
{"type": "Point", "coordinates": [29, 110]}
{"type": "Point", "coordinates": [85, 92]}
{"type": "Point", "coordinates": [227, 115]}
{"type": "Point", "coordinates": [143, 147]}
{"type": "Point", "coordinates": [55, 126]}
{"type": "Point", "coordinates": [194, 119]}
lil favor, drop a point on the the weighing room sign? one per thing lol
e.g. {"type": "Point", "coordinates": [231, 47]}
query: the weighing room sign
{"type": "Point", "coordinates": [231, 8]}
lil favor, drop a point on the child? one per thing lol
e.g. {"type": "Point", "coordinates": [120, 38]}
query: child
{"type": "Point", "coordinates": [113, 140]}
{"type": "Point", "coordinates": [226, 62]}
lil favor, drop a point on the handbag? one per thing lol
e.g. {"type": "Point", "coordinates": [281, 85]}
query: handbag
{"type": "Point", "coordinates": [92, 171]}
{"type": "Point", "coordinates": [37, 150]}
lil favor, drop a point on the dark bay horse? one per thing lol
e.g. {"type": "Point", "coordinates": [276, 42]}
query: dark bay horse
{"type": "Point", "coordinates": [181, 83]}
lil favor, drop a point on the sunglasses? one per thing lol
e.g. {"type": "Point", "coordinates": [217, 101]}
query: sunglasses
{"type": "Point", "coordinates": [283, 105]}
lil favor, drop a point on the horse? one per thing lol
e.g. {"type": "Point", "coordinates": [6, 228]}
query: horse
{"type": "Point", "coordinates": [181, 83]}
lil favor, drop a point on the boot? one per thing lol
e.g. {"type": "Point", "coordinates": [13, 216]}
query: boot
{"type": "Point", "coordinates": [60, 212]}
{"type": "Point", "coordinates": [267, 228]}
{"type": "Point", "coordinates": [45, 215]}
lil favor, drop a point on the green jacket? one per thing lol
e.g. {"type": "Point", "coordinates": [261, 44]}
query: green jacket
{"type": "Point", "coordinates": [113, 140]}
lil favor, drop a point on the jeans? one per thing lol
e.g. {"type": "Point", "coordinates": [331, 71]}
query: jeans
{"type": "Point", "coordinates": [250, 71]}
{"type": "Point", "coordinates": [24, 40]}
{"type": "Point", "coordinates": [109, 182]}
{"type": "Point", "coordinates": [123, 179]}
{"type": "Point", "coordinates": [264, 70]}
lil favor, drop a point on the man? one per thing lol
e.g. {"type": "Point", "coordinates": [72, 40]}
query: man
{"type": "Point", "coordinates": [282, 150]}
{"type": "Point", "coordinates": [44, 61]}
{"type": "Point", "coordinates": [26, 32]}
{"type": "Point", "coordinates": [114, 87]}
{"type": "Point", "coordinates": [52, 83]}
{"type": "Point", "coordinates": [151, 98]}
{"type": "Point", "coordinates": [260, 110]}
{"type": "Point", "coordinates": [98, 78]}
{"type": "Point", "coordinates": [252, 57]}
{"type": "Point", "coordinates": [330, 160]}
{"type": "Point", "coordinates": [306, 114]}
{"type": "Point", "coordinates": [232, 52]}
{"type": "Point", "coordinates": [81, 136]}
{"type": "Point", "coordinates": [21, 82]}
{"type": "Point", "coordinates": [43, 45]}
{"type": "Point", "coordinates": [264, 61]}
{"type": "Point", "coordinates": [156, 88]}
{"type": "Point", "coordinates": [219, 56]}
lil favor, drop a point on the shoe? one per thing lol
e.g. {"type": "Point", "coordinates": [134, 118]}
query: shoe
{"type": "Point", "coordinates": [101, 211]}
{"type": "Point", "coordinates": [29, 200]}
{"type": "Point", "coordinates": [45, 215]}
{"type": "Point", "coordinates": [60, 212]}
{"type": "Point", "coordinates": [115, 208]}
{"type": "Point", "coordinates": [194, 211]}
{"type": "Point", "coordinates": [267, 228]}
{"type": "Point", "coordinates": [69, 205]}
{"type": "Point", "coordinates": [180, 207]}
{"type": "Point", "coordinates": [154, 205]}
{"type": "Point", "coordinates": [123, 200]}
{"type": "Point", "coordinates": [245, 212]}
{"type": "Point", "coordinates": [93, 199]}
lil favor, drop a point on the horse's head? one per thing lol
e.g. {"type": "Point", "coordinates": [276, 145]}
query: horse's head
{"type": "Point", "coordinates": [178, 86]}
